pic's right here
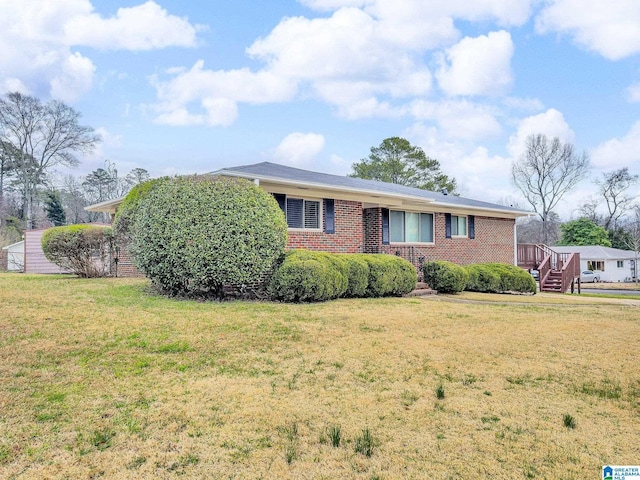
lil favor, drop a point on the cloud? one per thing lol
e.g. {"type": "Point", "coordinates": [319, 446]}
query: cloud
{"type": "Point", "coordinates": [478, 66]}
{"type": "Point", "coordinates": [611, 29]}
{"type": "Point", "coordinates": [633, 93]}
{"type": "Point", "coordinates": [215, 94]}
{"type": "Point", "coordinates": [299, 149]}
{"type": "Point", "coordinates": [37, 40]}
{"type": "Point", "coordinates": [458, 119]}
{"type": "Point", "coordinates": [472, 166]}
{"type": "Point", "coordinates": [143, 27]}
{"type": "Point", "coordinates": [618, 152]}
{"type": "Point", "coordinates": [550, 123]}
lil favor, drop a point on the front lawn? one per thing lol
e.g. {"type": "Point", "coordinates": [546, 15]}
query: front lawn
{"type": "Point", "coordinates": [100, 379]}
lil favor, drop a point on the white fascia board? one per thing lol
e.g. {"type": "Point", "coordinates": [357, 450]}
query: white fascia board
{"type": "Point", "coordinates": [106, 206]}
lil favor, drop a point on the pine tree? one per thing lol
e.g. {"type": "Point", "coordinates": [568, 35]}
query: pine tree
{"type": "Point", "coordinates": [54, 209]}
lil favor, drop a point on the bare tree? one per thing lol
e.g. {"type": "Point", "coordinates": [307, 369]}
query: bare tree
{"type": "Point", "coordinates": [546, 172]}
{"type": "Point", "coordinates": [43, 135]}
{"type": "Point", "coordinates": [632, 240]}
{"type": "Point", "coordinates": [613, 188]}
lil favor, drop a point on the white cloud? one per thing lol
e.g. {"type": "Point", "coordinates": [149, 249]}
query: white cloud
{"type": "Point", "coordinates": [299, 149]}
{"type": "Point", "coordinates": [618, 152]}
{"type": "Point", "coordinates": [633, 93]}
{"type": "Point", "coordinates": [143, 27]}
{"type": "Point", "coordinates": [458, 119]}
{"type": "Point", "coordinates": [472, 166]}
{"type": "Point", "coordinates": [550, 123]}
{"type": "Point", "coordinates": [37, 40]}
{"type": "Point", "coordinates": [215, 94]}
{"type": "Point", "coordinates": [478, 66]}
{"type": "Point", "coordinates": [611, 29]}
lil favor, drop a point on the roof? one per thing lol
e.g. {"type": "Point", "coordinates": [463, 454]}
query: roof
{"type": "Point", "coordinates": [13, 245]}
{"type": "Point", "coordinates": [284, 174]}
{"type": "Point", "coordinates": [373, 192]}
{"type": "Point", "coordinates": [596, 252]}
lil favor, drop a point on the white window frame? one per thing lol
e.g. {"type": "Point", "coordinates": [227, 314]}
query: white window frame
{"type": "Point", "coordinates": [304, 201]}
{"type": "Point", "coordinates": [404, 233]}
{"type": "Point", "coordinates": [466, 226]}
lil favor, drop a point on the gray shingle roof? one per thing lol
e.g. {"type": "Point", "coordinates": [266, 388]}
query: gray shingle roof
{"type": "Point", "coordinates": [596, 252]}
{"type": "Point", "coordinates": [277, 171]}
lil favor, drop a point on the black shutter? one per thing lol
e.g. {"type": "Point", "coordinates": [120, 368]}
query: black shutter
{"type": "Point", "coordinates": [472, 226]}
{"type": "Point", "coordinates": [385, 226]}
{"type": "Point", "coordinates": [280, 198]}
{"type": "Point", "coordinates": [447, 225]}
{"type": "Point", "coordinates": [329, 216]}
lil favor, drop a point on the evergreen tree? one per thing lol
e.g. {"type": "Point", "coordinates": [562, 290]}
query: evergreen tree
{"type": "Point", "coordinates": [54, 209]}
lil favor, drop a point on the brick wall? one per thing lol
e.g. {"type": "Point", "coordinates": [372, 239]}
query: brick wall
{"type": "Point", "coordinates": [126, 268]}
{"type": "Point", "coordinates": [493, 242]}
{"type": "Point", "coordinates": [348, 232]}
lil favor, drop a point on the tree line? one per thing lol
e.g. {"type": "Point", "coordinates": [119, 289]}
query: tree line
{"type": "Point", "coordinates": [35, 139]}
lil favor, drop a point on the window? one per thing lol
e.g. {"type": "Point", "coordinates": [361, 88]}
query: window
{"type": "Point", "coordinates": [595, 265]}
{"type": "Point", "coordinates": [410, 227]}
{"type": "Point", "coordinates": [620, 263]}
{"type": "Point", "coordinates": [458, 226]}
{"type": "Point", "coordinates": [300, 213]}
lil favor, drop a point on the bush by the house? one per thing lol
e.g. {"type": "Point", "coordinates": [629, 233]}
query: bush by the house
{"type": "Point", "coordinates": [445, 277]}
{"type": "Point", "coordinates": [357, 273]}
{"type": "Point", "coordinates": [82, 249]}
{"type": "Point", "coordinates": [389, 275]}
{"type": "Point", "coordinates": [127, 209]}
{"type": "Point", "coordinates": [192, 236]}
{"type": "Point", "coordinates": [513, 278]}
{"type": "Point", "coordinates": [309, 276]}
{"type": "Point", "coordinates": [482, 278]}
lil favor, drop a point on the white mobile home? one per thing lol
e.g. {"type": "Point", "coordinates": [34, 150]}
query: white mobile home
{"type": "Point", "coordinates": [612, 264]}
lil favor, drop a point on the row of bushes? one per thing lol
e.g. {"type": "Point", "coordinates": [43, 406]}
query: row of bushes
{"type": "Point", "coordinates": [447, 277]}
{"type": "Point", "coordinates": [309, 276]}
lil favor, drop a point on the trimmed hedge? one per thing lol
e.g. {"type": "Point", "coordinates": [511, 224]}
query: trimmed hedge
{"type": "Point", "coordinates": [309, 276]}
{"type": "Point", "coordinates": [389, 275]}
{"type": "Point", "coordinates": [445, 277]}
{"type": "Point", "coordinates": [82, 249]}
{"type": "Point", "coordinates": [358, 274]}
{"type": "Point", "coordinates": [193, 236]}
{"type": "Point", "coordinates": [482, 278]}
{"type": "Point", "coordinates": [500, 277]}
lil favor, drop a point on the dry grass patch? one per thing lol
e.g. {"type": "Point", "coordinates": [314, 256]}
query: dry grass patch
{"type": "Point", "coordinates": [100, 379]}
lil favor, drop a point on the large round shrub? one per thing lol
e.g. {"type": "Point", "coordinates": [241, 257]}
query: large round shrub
{"type": "Point", "coordinates": [81, 249]}
{"type": "Point", "coordinates": [445, 277]}
{"type": "Point", "coordinates": [309, 276]}
{"type": "Point", "coordinates": [125, 214]}
{"type": "Point", "coordinates": [195, 235]}
{"type": "Point", "coordinates": [389, 275]}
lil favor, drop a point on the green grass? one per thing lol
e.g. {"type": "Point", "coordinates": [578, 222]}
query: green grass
{"type": "Point", "coordinates": [102, 379]}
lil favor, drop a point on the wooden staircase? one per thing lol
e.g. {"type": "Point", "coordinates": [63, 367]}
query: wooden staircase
{"type": "Point", "coordinates": [557, 272]}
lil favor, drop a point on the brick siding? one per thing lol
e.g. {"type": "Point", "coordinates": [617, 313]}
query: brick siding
{"type": "Point", "coordinates": [493, 242]}
{"type": "Point", "coordinates": [348, 232]}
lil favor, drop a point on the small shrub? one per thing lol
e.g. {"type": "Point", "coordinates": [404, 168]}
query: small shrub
{"type": "Point", "coordinates": [365, 443]}
{"type": "Point", "coordinates": [440, 392]}
{"type": "Point", "coordinates": [389, 275]}
{"type": "Point", "coordinates": [568, 421]}
{"type": "Point", "coordinates": [308, 276]}
{"type": "Point", "coordinates": [513, 278]}
{"type": "Point", "coordinates": [357, 273]}
{"type": "Point", "coordinates": [482, 278]}
{"type": "Point", "coordinates": [445, 277]}
{"type": "Point", "coordinates": [81, 249]}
